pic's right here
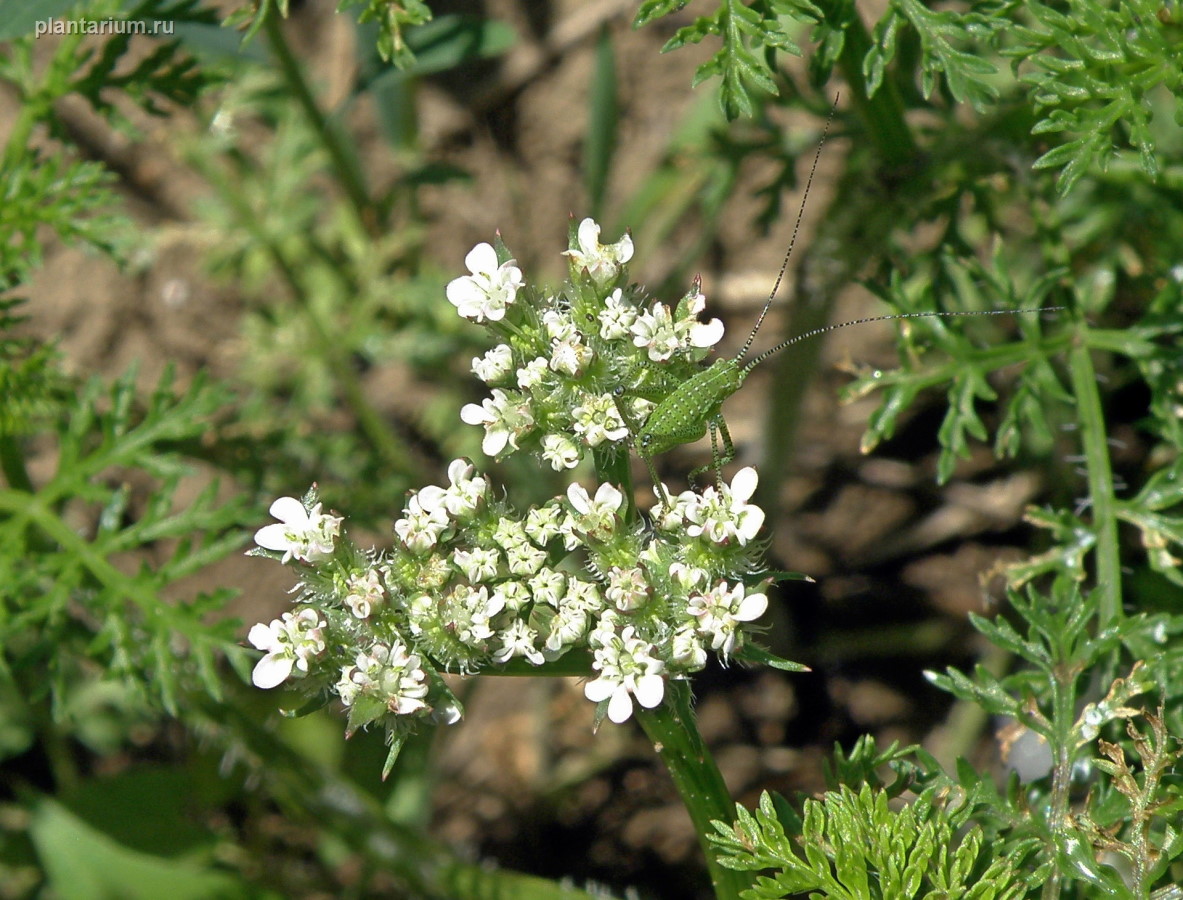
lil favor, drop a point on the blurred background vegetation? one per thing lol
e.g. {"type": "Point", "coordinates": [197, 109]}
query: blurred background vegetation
{"type": "Point", "coordinates": [223, 261]}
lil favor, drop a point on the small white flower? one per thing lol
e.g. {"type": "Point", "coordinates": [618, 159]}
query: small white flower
{"type": "Point", "coordinates": [583, 595]}
{"type": "Point", "coordinates": [687, 577]}
{"type": "Point", "coordinates": [420, 610]}
{"type": "Point", "coordinates": [655, 331]}
{"type": "Point", "coordinates": [720, 612]}
{"type": "Point", "coordinates": [306, 535]}
{"type": "Point", "coordinates": [509, 533]}
{"type": "Point", "coordinates": [617, 317]}
{"type": "Point", "coordinates": [388, 673]}
{"type": "Point", "coordinates": [506, 417]}
{"type": "Point", "coordinates": [465, 491]}
{"type": "Point", "coordinates": [485, 294]}
{"type": "Point", "coordinates": [494, 365]}
{"type": "Point", "coordinates": [289, 642]}
{"type": "Point", "coordinates": [627, 670]}
{"type": "Point", "coordinates": [469, 611]}
{"type": "Point", "coordinates": [567, 627]}
{"type": "Point", "coordinates": [513, 595]}
{"type": "Point", "coordinates": [602, 261]}
{"type": "Point", "coordinates": [627, 588]}
{"type": "Point", "coordinates": [364, 593]}
{"type": "Point", "coordinates": [533, 373]}
{"type": "Point", "coordinates": [518, 640]}
{"type": "Point", "coordinates": [598, 420]}
{"type": "Point", "coordinates": [478, 564]}
{"type": "Point", "coordinates": [687, 649]}
{"type": "Point", "coordinates": [723, 515]}
{"type": "Point", "coordinates": [543, 524]}
{"type": "Point", "coordinates": [570, 356]}
{"type": "Point", "coordinates": [525, 559]}
{"type": "Point", "coordinates": [560, 451]}
{"type": "Point", "coordinates": [422, 522]}
{"type": "Point", "coordinates": [547, 586]}
{"type": "Point", "coordinates": [596, 518]}
{"type": "Point", "coordinates": [559, 325]}
{"type": "Point", "coordinates": [676, 515]}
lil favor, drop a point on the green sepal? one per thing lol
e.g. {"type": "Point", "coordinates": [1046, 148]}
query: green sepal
{"type": "Point", "coordinates": [754, 654]}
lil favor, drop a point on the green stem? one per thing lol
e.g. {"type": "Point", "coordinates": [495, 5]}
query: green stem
{"type": "Point", "coordinates": [1063, 685]}
{"type": "Point", "coordinates": [699, 783]}
{"type": "Point", "coordinates": [671, 727]}
{"type": "Point", "coordinates": [345, 162]}
{"type": "Point", "coordinates": [1094, 443]}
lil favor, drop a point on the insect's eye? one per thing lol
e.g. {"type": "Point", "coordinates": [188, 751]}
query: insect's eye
{"type": "Point", "coordinates": [618, 391]}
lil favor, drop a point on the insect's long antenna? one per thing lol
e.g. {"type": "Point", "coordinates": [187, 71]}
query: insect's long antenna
{"type": "Point", "coordinates": [912, 315]}
{"type": "Point", "coordinates": [784, 266]}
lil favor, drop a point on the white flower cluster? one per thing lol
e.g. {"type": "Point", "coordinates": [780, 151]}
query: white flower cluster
{"type": "Point", "coordinates": [571, 368]}
{"type": "Point", "coordinates": [471, 584]}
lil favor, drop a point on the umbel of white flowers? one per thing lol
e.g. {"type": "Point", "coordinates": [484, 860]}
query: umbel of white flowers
{"type": "Point", "coordinates": [471, 584]}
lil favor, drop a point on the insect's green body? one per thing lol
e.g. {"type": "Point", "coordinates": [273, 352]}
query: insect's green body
{"type": "Point", "coordinates": [684, 415]}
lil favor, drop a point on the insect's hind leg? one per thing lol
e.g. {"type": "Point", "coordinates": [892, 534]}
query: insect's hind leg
{"type": "Point", "coordinates": [718, 429]}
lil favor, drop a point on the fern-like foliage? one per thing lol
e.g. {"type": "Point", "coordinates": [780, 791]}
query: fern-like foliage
{"type": "Point", "coordinates": [31, 389]}
{"type": "Point", "coordinates": [750, 35]}
{"type": "Point", "coordinates": [393, 18]}
{"type": "Point", "coordinates": [68, 603]}
{"type": "Point", "coordinates": [853, 844]}
{"type": "Point", "coordinates": [1094, 68]}
{"type": "Point", "coordinates": [966, 367]}
{"type": "Point", "coordinates": [1143, 826]}
{"type": "Point", "coordinates": [72, 198]}
{"type": "Point", "coordinates": [946, 40]}
{"type": "Point", "coordinates": [165, 74]}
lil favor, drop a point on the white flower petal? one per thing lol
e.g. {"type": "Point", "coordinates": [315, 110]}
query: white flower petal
{"type": "Point", "coordinates": [599, 689]}
{"type": "Point", "coordinates": [706, 334]}
{"type": "Point", "coordinates": [273, 537]}
{"type": "Point", "coordinates": [472, 414]}
{"type": "Point", "coordinates": [620, 707]}
{"type": "Point", "coordinates": [589, 235]}
{"type": "Point", "coordinates": [608, 495]}
{"type": "Point", "coordinates": [271, 671]}
{"type": "Point", "coordinates": [289, 510]}
{"type": "Point", "coordinates": [649, 690]}
{"type": "Point", "coordinates": [578, 498]}
{"type": "Point", "coordinates": [494, 442]}
{"type": "Point", "coordinates": [743, 485]}
{"type": "Point", "coordinates": [481, 259]}
{"type": "Point", "coordinates": [624, 249]}
{"type": "Point", "coordinates": [262, 637]}
{"type": "Point", "coordinates": [751, 608]}
{"type": "Point", "coordinates": [463, 292]}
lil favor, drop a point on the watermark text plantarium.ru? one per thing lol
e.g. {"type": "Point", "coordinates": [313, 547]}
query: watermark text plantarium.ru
{"type": "Point", "coordinates": [60, 27]}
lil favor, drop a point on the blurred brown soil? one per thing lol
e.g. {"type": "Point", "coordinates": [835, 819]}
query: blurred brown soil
{"type": "Point", "coordinates": [523, 780]}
